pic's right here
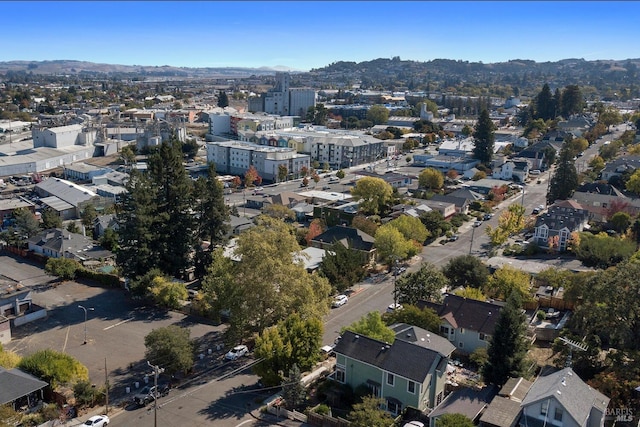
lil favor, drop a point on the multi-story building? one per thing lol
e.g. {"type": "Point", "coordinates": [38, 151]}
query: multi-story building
{"type": "Point", "coordinates": [283, 100]}
{"type": "Point", "coordinates": [235, 158]}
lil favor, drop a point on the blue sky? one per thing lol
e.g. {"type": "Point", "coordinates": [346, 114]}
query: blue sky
{"type": "Point", "coordinates": [306, 34]}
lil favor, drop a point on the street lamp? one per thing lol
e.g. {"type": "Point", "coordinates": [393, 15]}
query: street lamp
{"type": "Point", "coordinates": [85, 321]}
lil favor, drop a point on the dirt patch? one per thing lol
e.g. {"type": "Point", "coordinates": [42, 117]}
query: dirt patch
{"type": "Point", "coordinates": [542, 355]}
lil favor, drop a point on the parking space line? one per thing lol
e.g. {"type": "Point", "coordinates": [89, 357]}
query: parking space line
{"type": "Point", "coordinates": [117, 324]}
{"type": "Point", "coordinates": [66, 338]}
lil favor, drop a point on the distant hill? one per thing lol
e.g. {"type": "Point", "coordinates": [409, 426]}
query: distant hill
{"type": "Point", "coordinates": [71, 67]}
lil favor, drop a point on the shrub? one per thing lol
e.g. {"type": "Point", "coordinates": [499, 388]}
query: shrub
{"type": "Point", "coordinates": [322, 409]}
{"type": "Point", "coordinates": [541, 315]}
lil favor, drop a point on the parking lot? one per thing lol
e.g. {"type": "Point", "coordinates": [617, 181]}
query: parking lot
{"type": "Point", "coordinates": [115, 327]}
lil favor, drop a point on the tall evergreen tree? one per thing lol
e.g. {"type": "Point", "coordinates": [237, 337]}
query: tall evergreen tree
{"type": "Point", "coordinates": [155, 222]}
{"type": "Point", "coordinates": [223, 99]}
{"type": "Point", "coordinates": [342, 266]}
{"type": "Point", "coordinates": [544, 104]}
{"type": "Point", "coordinates": [484, 138]}
{"type": "Point", "coordinates": [136, 218]}
{"type": "Point", "coordinates": [565, 178]}
{"type": "Point", "coordinates": [572, 101]}
{"type": "Point", "coordinates": [508, 346]}
{"type": "Point", "coordinates": [211, 210]}
{"type": "Point", "coordinates": [557, 103]}
{"type": "Point", "coordinates": [175, 225]}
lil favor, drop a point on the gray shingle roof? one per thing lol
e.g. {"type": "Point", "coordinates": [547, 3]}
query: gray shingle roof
{"type": "Point", "coordinates": [466, 313]}
{"type": "Point", "coordinates": [423, 338]}
{"type": "Point", "coordinates": [559, 217]}
{"type": "Point", "coordinates": [14, 384]}
{"type": "Point", "coordinates": [401, 358]}
{"type": "Point", "coordinates": [570, 391]}
{"type": "Point", "coordinates": [357, 238]}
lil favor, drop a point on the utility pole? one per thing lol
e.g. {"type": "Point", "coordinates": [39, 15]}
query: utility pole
{"type": "Point", "coordinates": [156, 371]}
{"type": "Point", "coordinates": [473, 231]}
{"type": "Point", "coordinates": [106, 388]}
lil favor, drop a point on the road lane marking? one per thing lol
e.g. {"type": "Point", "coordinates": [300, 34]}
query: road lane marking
{"type": "Point", "coordinates": [244, 422]}
{"type": "Point", "coordinates": [118, 324]}
{"type": "Point", "coordinates": [66, 338]}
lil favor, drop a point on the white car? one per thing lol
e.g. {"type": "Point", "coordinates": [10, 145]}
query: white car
{"type": "Point", "coordinates": [393, 307]}
{"type": "Point", "coordinates": [339, 300]}
{"type": "Point", "coordinates": [236, 352]}
{"type": "Point", "coordinates": [97, 421]}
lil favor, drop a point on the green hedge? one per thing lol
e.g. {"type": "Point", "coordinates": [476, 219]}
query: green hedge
{"type": "Point", "coordinates": [103, 278]}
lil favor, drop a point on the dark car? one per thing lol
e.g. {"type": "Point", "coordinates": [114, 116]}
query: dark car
{"type": "Point", "coordinates": [487, 216]}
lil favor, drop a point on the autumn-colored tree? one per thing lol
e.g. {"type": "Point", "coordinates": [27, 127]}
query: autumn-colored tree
{"type": "Point", "coordinates": [511, 221]}
{"type": "Point", "coordinates": [305, 181]}
{"type": "Point", "coordinates": [452, 174]}
{"type": "Point", "coordinates": [497, 193]}
{"type": "Point", "coordinates": [315, 229]}
{"type": "Point", "coordinates": [471, 293]}
{"type": "Point", "coordinates": [365, 224]}
{"type": "Point", "coordinates": [315, 177]}
{"type": "Point", "coordinates": [304, 171]}
{"type": "Point", "coordinates": [283, 171]}
{"type": "Point", "coordinates": [251, 176]}
{"type": "Point", "coordinates": [236, 181]}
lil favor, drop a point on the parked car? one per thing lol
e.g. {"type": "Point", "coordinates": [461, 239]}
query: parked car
{"type": "Point", "coordinates": [237, 352]}
{"type": "Point", "coordinates": [339, 301]}
{"type": "Point", "coordinates": [393, 307]}
{"type": "Point", "coordinates": [453, 237]}
{"type": "Point", "coordinates": [487, 216]}
{"type": "Point", "coordinates": [414, 424]}
{"type": "Point", "coordinates": [192, 293]}
{"type": "Point", "coordinates": [538, 209]}
{"type": "Point", "coordinates": [97, 421]}
{"type": "Point", "coordinates": [477, 223]}
{"type": "Point", "coordinates": [326, 187]}
{"type": "Point", "coordinates": [334, 179]}
{"type": "Point", "coordinates": [148, 394]}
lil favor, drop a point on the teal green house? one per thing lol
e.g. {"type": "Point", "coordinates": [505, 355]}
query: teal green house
{"type": "Point", "coordinates": [409, 372]}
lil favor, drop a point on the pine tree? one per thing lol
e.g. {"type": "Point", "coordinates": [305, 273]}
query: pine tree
{"type": "Point", "coordinates": [223, 99]}
{"type": "Point", "coordinates": [484, 138]}
{"type": "Point", "coordinates": [565, 178]}
{"type": "Point", "coordinates": [212, 212]}
{"type": "Point", "coordinates": [544, 104]}
{"type": "Point", "coordinates": [175, 225]}
{"type": "Point", "coordinates": [508, 346]}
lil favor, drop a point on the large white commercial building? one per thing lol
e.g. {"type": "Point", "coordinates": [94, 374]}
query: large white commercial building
{"type": "Point", "coordinates": [283, 100]}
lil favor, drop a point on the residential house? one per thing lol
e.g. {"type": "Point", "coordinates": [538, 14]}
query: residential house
{"type": "Point", "coordinates": [411, 210]}
{"type": "Point", "coordinates": [447, 209]}
{"type": "Point", "coordinates": [563, 399]}
{"type": "Point", "coordinates": [485, 185]}
{"type": "Point", "coordinates": [403, 373]}
{"type": "Point", "coordinates": [350, 237]}
{"type": "Point", "coordinates": [237, 224]}
{"type": "Point", "coordinates": [467, 323]}
{"type": "Point", "coordinates": [466, 401]}
{"type": "Point", "coordinates": [516, 170]}
{"type": "Point", "coordinates": [19, 389]}
{"type": "Point", "coordinates": [602, 199]}
{"type": "Point", "coordinates": [59, 243]}
{"type": "Point", "coordinates": [461, 204]}
{"type": "Point", "coordinates": [619, 166]}
{"type": "Point", "coordinates": [536, 153]}
{"type": "Point", "coordinates": [504, 410]}
{"type": "Point", "coordinates": [395, 180]}
{"type": "Point", "coordinates": [103, 222]}
{"type": "Point", "coordinates": [554, 228]}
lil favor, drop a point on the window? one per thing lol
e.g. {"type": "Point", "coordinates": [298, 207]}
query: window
{"type": "Point", "coordinates": [558, 415]}
{"type": "Point", "coordinates": [393, 407]}
{"type": "Point", "coordinates": [461, 344]}
{"type": "Point", "coordinates": [411, 387]}
{"type": "Point", "coordinates": [390, 379]}
{"type": "Point", "coordinates": [340, 377]}
{"type": "Point", "coordinates": [462, 330]}
{"type": "Point", "coordinates": [482, 337]}
{"type": "Point", "coordinates": [444, 330]}
{"type": "Point", "coordinates": [544, 408]}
